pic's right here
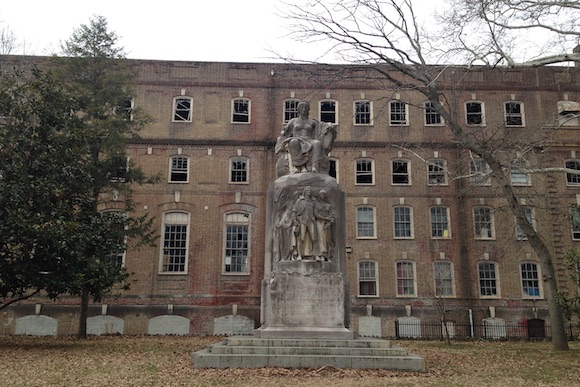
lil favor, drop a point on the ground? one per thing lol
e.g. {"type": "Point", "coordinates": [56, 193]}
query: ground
{"type": "Point", "coordinates": [165, 361]}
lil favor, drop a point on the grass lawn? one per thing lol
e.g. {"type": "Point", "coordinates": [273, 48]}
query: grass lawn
{"type": "Point", "coordinates": [165, 361]}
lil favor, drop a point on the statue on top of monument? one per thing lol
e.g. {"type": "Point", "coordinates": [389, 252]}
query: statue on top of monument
{"type": "Point", "coordinates": [304, 144]}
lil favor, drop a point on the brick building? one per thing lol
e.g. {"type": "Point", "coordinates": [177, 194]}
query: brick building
{"type": "Point", "coordinates": [426, 227]}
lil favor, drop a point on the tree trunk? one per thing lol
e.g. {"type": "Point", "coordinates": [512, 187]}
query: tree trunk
{"type": "Point", "coordinates": [82, 334]}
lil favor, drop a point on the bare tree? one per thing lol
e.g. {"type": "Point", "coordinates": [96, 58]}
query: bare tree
{"type": "Point", "coordinates": [388, 37]}
{"type": "Point", "coordinates": [8, 41]}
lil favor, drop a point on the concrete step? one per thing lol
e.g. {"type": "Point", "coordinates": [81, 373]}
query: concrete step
{"type": "Point", "coordinates": [334, 351]}
{"type": "Point", "coordinates": [358, 343]}
{"type": "Point", "coordinates": [249, 352]}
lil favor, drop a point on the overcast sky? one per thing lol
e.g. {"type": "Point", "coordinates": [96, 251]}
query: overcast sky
{"type": "Point", "coordinates": [195, 30]}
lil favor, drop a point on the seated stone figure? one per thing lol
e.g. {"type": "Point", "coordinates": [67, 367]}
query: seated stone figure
{"type": "Point", "coordinates": [304, 144]}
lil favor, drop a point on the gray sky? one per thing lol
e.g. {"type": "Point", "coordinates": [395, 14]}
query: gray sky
{"type": "Point", "coordinates": [196, 30]}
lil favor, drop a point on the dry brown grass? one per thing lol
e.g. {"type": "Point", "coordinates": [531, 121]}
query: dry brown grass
{"type": "Point", "coordinates": [165, 361]}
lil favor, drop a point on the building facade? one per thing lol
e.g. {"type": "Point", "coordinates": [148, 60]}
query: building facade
{"type": "Point", "coordinates": [427, 229]}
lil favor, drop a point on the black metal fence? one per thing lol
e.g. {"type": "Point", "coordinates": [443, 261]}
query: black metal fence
{"type": "Point", "coordinates": [535, 329]}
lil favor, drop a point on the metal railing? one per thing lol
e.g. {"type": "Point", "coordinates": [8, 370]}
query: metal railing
{"type": "Point", "coordinates": [492, 330]}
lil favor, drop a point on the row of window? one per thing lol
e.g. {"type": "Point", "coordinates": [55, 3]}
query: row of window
{"type": "Point", "coordinates": [362, 112]}
{"type": "Point", "coordinates": [437, 171]}
{"type": "Point", "coordinates": [440, 223]}
{"type": "Point", "coordinates": [444, 279]}
{"type": "Point", "coordinates": [236, 251]}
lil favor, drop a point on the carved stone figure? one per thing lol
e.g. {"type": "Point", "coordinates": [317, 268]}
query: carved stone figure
{"type": "Point", "coordinates": [325, 219]}
{"type": "Point", "coordinates": [304, 144]}
{"type": "Point", "coordinates": [304, 223]}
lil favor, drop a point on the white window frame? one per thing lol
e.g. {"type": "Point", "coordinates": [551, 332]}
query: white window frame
{"type": "Point", "coordinates": [510, 115]}
{"type": "Point", "coordinates": [469, 114]}
{"type": "Point", "coordinates": [235, 112]}
{"type": "Point", "coordinates": [232, 170]}
{"type": "Point", "coordinates": [571, 179]}
{"type": "Point", "coordinates": [177, 108]}
{"type": "Point", "coordinates": [575, 223]}
{"type": "Point", "coordinates": [409, 212]}
{"type": "Point", "coordinates": [438, 280]}
{"type": "Point", "coordinates": [448, 222]}
{"type": "Point", "coordinates": [373, 222]}
{"type": "Point", "coordinates": [359, 114]}
{"type": "Point", "coordinates": [479, 177]}
{"type": "Point", "coordinates": [290, 109]}
{"type": "Point", "coordinates": [174, 218]}
{"type": "Point", "coordinates": [126, 109]}
{"type": "Point", "coordinates": [486, 280]}
{"type": "Point", "coordinates": [122, 254]}
{"type": "Point", "coordinates": [516, 174]}
{"type": "Point", "coordinates": [538, 279]}
{"type": "Point", "coordinates": [428, 110]}
{"type": "Point", "coordinates": [398, 175]}
{"type": "Point", "coordinates": [401, 282]}
{"type": "Point", "coordinates": [178, 171]}
{"type": "Point", "coordinates": [398, 112]}
{"type": "Point", "coordinates": [363, 277]}
{"type": "Point", "coordinates": [323, 114]}
{"type": "Point", "coordinates": [478, 223]}
{"type": "Point", "coordinates": [236, 219]}
{"type": "Point", "coordinates": [520, 236]}
{"type": "Point", "coordinates": [336, 168]}
{"type": "Point", "coordinates": [442, 165]}
{"type": "Point", "coordinates": [370, 173]}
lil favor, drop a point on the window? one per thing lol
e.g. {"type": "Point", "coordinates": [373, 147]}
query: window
{"type": "Point", "coordinates": [367, 278]}
{"type": "Point", "coordinates": [125, 108]}
{"type": "Point", "coordinates": [518, 173]}
{"type": "Point", "coordinates": [530, 217]}
{"type": "Point", "coordinates": [362, 113]}
{"type": "Point", "coordinates": [432, 118]}
{"type": "Point", "coordinates": [530, 280]}
{"type": "Point", "coordinates": [182, 109]}
{"type": "Point", "coordinates": [290, 109]}
{"type": "Point", "coordinates": [573, 179]}
{"type": "Point", "coordinates": [440, 222]}
{"type": "Point", "coordinates": [401, 174]}
{"type": "Point", "coordinates": [483, 223]}
{"type": "Point", "coordinates": [116, 223]}
{"type": "Point", "coordinates": [474, 113]}
{"type": "Point", "coordinates": [479, 172]}
{"type": "Point", "coordinates": [436, 172]}
{"type": "Point", "coordinates": [119, 168]}
{"type": "Point", "coordinates": [488, 280]}
{"type": "Point", "coordinates": [239, 170]}
{"type": "Point", "coordinates": [575, 221]}
{"type": "Point", "coordinates": [236, 251]}
{"type": "Point", "coordinates": [365, 222]}
{"type": "Point", "coordinates": [443, 275]}
{"type": "Point", "coordinates": [364, 171]}
{"type": "Point", "coordinates": [179, 172]}
{"type": "Point", "coordinates": [405, 278]}
{"type": "Point", "coordinates": [514, 113]}
{"type": "Point", "coordinates": [403, 222]}
{"type": "Point", "coordinates": [568, 113]}
{"type": "Point", "coordinates": [241, 110]}
{"type": "Point", "coordinates": [398, 113]}
{"type": "Point", "coordinates": [328, 111]}
{"type": "Point", "coordinates": [333, 168]}
{"type": "Point", "coordinates": [175, 242]}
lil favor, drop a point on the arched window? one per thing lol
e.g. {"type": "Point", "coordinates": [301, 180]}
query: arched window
{"type": "Point", "coordinates": [365, 223]}
{"type": "Point", "coordinates": [182, 109]}
{"type": "Point", "coordinates": [236, 243]}
{"type": "Point", "coordinates": [174, 244]}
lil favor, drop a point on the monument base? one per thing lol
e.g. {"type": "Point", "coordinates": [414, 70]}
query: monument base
{"type": "Point", "coordinates": [304, 333]}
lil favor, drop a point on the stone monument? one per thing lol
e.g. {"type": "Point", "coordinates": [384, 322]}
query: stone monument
{"type": "Point", "coordinates": [304, 291]}
{"type": "Point", "coordinates": [305, 303]}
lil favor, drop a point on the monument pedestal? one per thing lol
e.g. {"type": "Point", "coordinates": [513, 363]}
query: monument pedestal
{"type": "Point", "coordinates": [305, 299]}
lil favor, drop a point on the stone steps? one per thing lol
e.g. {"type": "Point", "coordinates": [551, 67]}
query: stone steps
{"type": "Point", "coordinates": [249, 352]}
